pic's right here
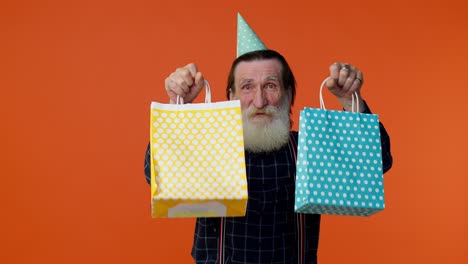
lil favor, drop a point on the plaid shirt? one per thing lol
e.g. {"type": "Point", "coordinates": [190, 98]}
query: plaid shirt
{"type": "Point", "coordinates": [270, 232]}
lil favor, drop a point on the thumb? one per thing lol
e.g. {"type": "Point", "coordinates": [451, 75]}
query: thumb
{"type": "Point", "coordinates": [199, 80]}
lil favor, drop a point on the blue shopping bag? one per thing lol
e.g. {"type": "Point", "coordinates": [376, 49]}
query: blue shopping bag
{"type": "Point", "coordinates": [339, 162]}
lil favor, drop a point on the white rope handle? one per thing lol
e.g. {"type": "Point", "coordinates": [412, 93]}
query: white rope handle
{"type": "Point", "coordinates": [322, 103]}
{"type": "Point", "coordinates": [353, 97]}
{"type": "Point", "coordinates": [180, 100]}
{"type": "Point", "coordinates": [352, 102]}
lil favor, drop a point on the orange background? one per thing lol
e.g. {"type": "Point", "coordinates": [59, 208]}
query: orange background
{"type": "Point", "coordinates": [77, 79]}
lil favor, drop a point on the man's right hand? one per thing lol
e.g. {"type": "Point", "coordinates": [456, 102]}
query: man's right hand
{"type": "Point", "coordinates": [185, 82]}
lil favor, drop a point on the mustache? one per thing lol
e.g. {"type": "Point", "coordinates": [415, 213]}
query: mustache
{"type": "Point", "coordinates": [268, 110]}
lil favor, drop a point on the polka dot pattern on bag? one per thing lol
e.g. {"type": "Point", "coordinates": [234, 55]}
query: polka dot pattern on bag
{"type": "Point", "coordinates": [339, 162]}
{"type": "Point", "coordinates": [198, 155]}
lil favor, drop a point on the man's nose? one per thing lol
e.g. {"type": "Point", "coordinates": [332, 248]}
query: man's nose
{"type": "Point", "coordinates": [260, 98]}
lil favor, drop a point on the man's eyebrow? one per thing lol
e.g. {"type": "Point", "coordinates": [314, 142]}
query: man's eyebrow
{"type": "Point", "coordinates": [243, 81]}
{"type": "Point", "coordinates": [272, 78]}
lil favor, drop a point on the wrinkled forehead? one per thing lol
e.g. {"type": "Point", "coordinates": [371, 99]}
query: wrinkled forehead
{"type": "Point", "coordinates": [258, 70]}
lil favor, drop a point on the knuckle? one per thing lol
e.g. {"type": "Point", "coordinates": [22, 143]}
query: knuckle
{"type": "Point", "coordinates": [185, 73]}
{"type": "Point", "coordinates": [192, 67]}
{"type": "Point", "coordinates": [179, 82]}
{"type": "Point", "coordinates": [180, 70]}
{"type": "Point", "coordinates": [169, 83]}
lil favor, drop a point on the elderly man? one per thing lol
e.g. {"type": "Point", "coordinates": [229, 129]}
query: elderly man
{"type": "Point", "coordinates": [270, 232]}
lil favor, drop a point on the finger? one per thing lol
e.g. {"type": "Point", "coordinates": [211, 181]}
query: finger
{"type": "Point", "coordinates": [180, 92]}
{"type": "Point", "coordinates": [192, 68]}
{"type": "Point", "coordinates": [169, 83]}
{"type": "Point", "coordinates": [199, 81]}
{"type": "Point", "coordinates": [173, 91]}
{"type": "Point", "coordinates": [359, 76]}
{"type": "Point", "coordinates": [183, 77]}
{"type": "Point", "coordinates": [330, 83]}
{"type": "Point", "coordinates": [356, 86]}
{"type": "Point", "coordinates": [349, 81]}
{"type": "Point", "coordinates": [177, 91]}
{"type": "Point", "coordinates": [344, 73]}
{"type": "Point", "coordinates": [171, 94]}
{"type": "Point", "coordinates": [335, 70]}
{"type": "Point", "coordinates": [177, 83]}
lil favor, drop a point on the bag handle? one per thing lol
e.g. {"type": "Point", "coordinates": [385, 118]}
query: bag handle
{"type": "Point", "coordinates": [180, 100]}
{"type": "Point", "coordinates": [322, 103]}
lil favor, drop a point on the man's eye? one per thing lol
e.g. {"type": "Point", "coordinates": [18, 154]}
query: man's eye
{"type": "Point", "coordinates": [246, 87]}
{"type": "Point", "coordinates": [271, 86]}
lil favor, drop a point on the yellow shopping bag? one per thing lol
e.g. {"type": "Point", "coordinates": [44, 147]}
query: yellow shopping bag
{"type": "Point", "coordinates": [197, 159]}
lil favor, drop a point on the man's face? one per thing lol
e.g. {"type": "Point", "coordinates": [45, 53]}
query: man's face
{"type": "Point", "coordinates": [258, 84]}
{"type": "Point", "coordinates": [264, 102]}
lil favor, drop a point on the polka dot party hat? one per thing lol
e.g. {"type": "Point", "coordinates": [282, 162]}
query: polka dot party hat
{"type": "Point", "coordinates": [247, 40]}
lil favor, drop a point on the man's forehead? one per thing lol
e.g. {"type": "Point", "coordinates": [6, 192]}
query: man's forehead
{"type": "Point", "coordinates": [273, 77]}
{"type": "Point", "coordinates": [247, 71]}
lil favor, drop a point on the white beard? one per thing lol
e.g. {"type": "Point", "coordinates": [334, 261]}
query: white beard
{"type": "Point", "coordinates": [267, 137]}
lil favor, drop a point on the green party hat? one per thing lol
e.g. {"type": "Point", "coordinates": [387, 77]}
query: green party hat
{"type": "Point", "coordinates": [247, 40]}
